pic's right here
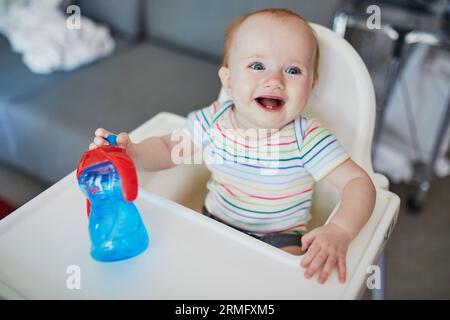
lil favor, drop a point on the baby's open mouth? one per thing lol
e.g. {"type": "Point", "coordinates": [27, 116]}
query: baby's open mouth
{"type": "Point", "coordinates": [270, 103]}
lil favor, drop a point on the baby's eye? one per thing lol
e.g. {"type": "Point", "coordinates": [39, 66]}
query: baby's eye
{"type": "Point", "coordinates": [293, 70]}
{"type": "Point", "coordinates": [256, 66]}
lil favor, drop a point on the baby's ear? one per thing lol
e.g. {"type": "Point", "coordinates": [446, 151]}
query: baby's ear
{"type": "Point", "coordinates": [224, 75]}
{"type": "Point", "coordinates": [314, 82]}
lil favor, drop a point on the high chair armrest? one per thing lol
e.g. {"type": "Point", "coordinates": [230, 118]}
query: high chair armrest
{"type": "Point", "coordinates": [368, 245]}
{"type": "Point", "coordinates": [380, 181]}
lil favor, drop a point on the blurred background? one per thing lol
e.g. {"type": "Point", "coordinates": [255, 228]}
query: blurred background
{"type": "Point", "coordinates": [68, 67]}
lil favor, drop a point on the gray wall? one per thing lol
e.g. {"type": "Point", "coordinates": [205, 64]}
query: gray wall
{"type": "Point", "coordinates": [122, 16]}
{"type": "Point", "coordinates": [199, 25]}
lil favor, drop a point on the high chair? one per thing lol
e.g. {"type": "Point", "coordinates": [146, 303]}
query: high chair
{"type": "Point", "coordinates": [343, 101]}
{"type": "Point", "coordinates": [44, 245]}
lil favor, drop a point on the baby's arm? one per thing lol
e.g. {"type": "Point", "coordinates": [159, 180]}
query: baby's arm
{"type": "Point", "coordinates": [328, 244]}
{"type": "Point", "coordinates": [152, 154]}
{"type": "Point", "coordinates": [357, 197]}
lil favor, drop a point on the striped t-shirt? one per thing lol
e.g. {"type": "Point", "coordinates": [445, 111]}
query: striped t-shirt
{"type": "Point", "coordinates": [262, 185]}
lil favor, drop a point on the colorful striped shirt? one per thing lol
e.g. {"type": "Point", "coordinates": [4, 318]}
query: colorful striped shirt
{"type": "Point", "coordinates": [262, 185]}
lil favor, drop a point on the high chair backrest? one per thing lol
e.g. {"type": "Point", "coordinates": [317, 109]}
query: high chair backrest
{"type": "Point", "coordinates": [344, 101]}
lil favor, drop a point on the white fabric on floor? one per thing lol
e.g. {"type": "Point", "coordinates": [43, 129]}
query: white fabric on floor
{"type": "Point", "coordinates": [37, 29]}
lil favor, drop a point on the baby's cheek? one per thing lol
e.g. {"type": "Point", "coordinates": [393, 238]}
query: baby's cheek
{"type": "Point", "coordinates": [249, 80]}
{"type": "Point", "coordinates": [302, 95]}
{"type": "Point", "coordinates": [242, 95]}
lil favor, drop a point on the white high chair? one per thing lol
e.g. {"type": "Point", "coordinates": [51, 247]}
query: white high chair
{"type": "Point", "coordinates": [343, 101]}
{"type": "Point", "coordinates": [44, 245]}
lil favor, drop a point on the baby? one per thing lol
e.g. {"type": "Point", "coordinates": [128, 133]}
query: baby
{"type": "Point", "coordinates": [265, 155]}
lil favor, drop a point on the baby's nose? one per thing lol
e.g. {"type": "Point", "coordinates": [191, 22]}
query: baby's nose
{"type": "Point", "coordinates": [274, 81]}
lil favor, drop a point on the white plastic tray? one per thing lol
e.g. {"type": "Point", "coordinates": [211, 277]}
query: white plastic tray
{"type": "Point", "coordinates": [190, 256]}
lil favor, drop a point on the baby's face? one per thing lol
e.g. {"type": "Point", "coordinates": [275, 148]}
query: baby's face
{"type": "Point", "coordinates": [270, 73]}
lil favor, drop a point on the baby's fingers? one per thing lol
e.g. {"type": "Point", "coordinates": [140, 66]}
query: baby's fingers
{"type": "Point", "coordinates": [308, 238]}
{"type": "Point", "coordinates": [309, 256]}
{"type": "Point", "coordinates": [100, 132]}
{"type": "Point", "coordinates": [99, 141]}
{"type": "Point", "coordinates": [123, 139]}
{"type": "Point", "coordinates": [342, 268]}
{"type": "Point", "coordinates": [327, 269]}
{"type": "Point", "coordinates": [316, 264]}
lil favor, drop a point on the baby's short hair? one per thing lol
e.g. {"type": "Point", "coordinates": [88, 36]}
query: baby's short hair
{"type": "Point", "coordinates": [278, 12]}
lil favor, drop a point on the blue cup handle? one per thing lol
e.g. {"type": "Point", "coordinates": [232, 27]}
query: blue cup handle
{"type": "Point", "coordinates": [112, 140]}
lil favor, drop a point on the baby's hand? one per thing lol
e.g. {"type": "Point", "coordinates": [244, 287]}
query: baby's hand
{"type": "Point", "coordinates": [123, 140]}
{"type": "Point", "coordinates": [327, 249]}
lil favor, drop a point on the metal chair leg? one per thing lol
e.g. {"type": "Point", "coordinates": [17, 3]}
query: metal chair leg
{"type": "Point", "coordinates": [416, 202]}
